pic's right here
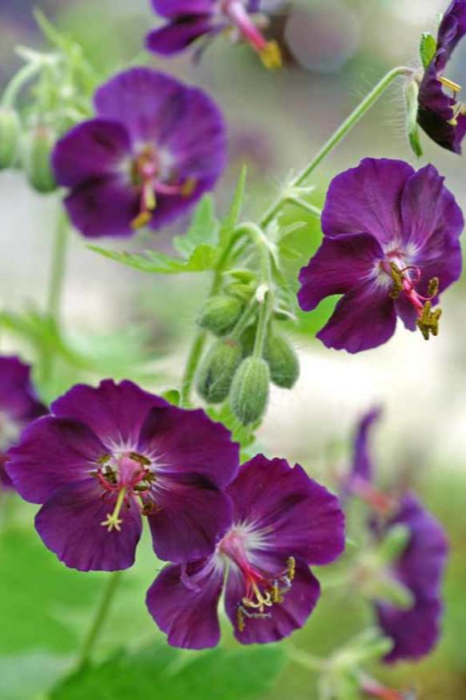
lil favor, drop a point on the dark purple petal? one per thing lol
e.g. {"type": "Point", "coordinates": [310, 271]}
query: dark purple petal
{"type": "Point", "coordinates": [292, 514]}
{"type": "Point", "coordinates": [188, 442]}
{"type": "Point", "coordinates": [70, 524]}
{"type": "Point", "coordinates": [340, 265]}
{"type": "Point", "coordinates": [406, 311]}
{"type": "Point", "coordinates": [18, 398]}
{"type": "Point", "coordinates": [420, 568]}
{"type": "Point", "coordinates": [177, 36]}
{"type": "Point", "coordinates": [365, 318]}
{"type": "Point", "coordinates": [367, 199]}
{"type": "Point", "coordinates": [52, 452]}
{"type": "Point", "coordinates": [363, 467]}
{"type": "Point", "coordinates": [188, 615]}
{"type": "Point", "coordinates": [286, 617]}
{"type": "Point", "coordinates": [5, 481]}
{"type": "Point", "coordinates": [436, 111]}
{"type": "Point", "coordinates": [115, 412]}
{"type": "Point", "coordinates": [452, 29]}
{"type": "Point", "coordinates": [189, 516]}
{"type": "Point", "coordinates": [92, 150]}
{"type": "Point", "coordinates": [104, 207]}
{"type": "Point", "coordinates": [178, 8]}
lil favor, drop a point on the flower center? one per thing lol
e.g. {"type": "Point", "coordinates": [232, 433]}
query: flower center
{"type": "Point", "coordinates": [263, 589]}
{"type": "Point", "coordinates": [269, 51]}
{"type": "Point", "coordinates": [459, 109]}
{"type": "Point", "coordinates": [125, 476]}
{"type": "Point", "coordinates": [405, 280]}
{"type": "Point", "coordinates": [148, 177]}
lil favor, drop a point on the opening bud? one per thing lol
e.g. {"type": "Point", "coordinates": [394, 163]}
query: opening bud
{"type": "Point", "coordinates": [250, 390]}
{"type": "Point", "coordinates": [217, 370]}
{"type": "Point", "coordinates": [282, 360]}
{"type": "Point", "coordinates": [221, 314]}
{"type": "Point", "coordinates": [10, 134]}
{"type": "Point", "coordinates": [36, 158]}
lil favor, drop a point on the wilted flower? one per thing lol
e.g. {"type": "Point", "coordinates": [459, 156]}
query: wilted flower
{"type": "Point", "coordinates": [390, 247]}
{"type": "Point", "coordinates": [282, 522]}
{"type": "Point", "coordinates": [409, 564]}
{"type": "Point", "coordinates": [19, 406]}
{"type": "Point", "coordinates": [153, 149]}
{"type": "Point", "coordinates": [440, 113]}
{"type": "Point", "coordinates": [107, 455]}
{"type": "Point", "coordinates": [190, 20]}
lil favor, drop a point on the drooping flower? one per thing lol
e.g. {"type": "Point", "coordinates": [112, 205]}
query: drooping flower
{"type": "Point", "coordinates": [390, 247]}
{"type": "Point", "coordinates": [404, 576]}
{"type": "Point", "coordinates": [190, 21]}
{"type": "Point", "coordinates": [107, 455]}
{"type": "Point", "coordinates": [282, 522]}
{"type": "Point", "coordinates": [19, 405]}
{"type": "Point", "coordinates": [154, 148]}
{"type": "Point", "coordinates": [441, 115]}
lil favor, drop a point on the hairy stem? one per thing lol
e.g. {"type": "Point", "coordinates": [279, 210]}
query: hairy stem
{"type": "Point", "coordinates": [57, 275]}
{"type": "Point", "coordinates": [306, 206]}
{"type": "Point", "coordinates": [17, 83]}
{"type": "Point", "coordinates": [336, 138]}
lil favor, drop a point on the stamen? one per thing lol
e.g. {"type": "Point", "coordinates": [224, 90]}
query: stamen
{"type": "Point", "coordinates": [271, 56]}
{"type": "Point", "coordinates": [428, 320]}
{"type": "Point", "coordinates": [113, 521]}
{"type": "Point", "coordinates": [450, 84]}
{"type": "Point", "coordinates": [269, 51]}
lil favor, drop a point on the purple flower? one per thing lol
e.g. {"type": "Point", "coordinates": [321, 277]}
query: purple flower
{"type": "Point", "coordinates": [190, 20]}
{"type": "Point", "coordinates": [440, 114]}
{"type": "Point", "coordinates": [154, 148]}
{"type": "Point", "coordinates": [19, 406]}
{"type": "Point", "coordinates": [390, 247]}
{"type": "Point", "coordinates": [104, 457]}
{"type": "Point", "coordinates": [282, 522]}
{"type": "Point", "coordinates": [419, 569]}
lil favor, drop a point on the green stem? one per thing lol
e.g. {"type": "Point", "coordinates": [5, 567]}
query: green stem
{"type": "Point", "coordinates": [335, 139]}
{"type": "Point", "coordinates": [57, 275]}
{"type": "Point", "coordinates": [306, 206]}
{"type": "Point", "coordinates": [99, 620]}
{"type": "Point", "coordinates": [17, 83]}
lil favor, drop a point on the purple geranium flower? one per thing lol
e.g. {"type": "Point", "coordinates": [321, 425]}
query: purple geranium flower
{"type": "Point", "coordinates": [282, 522]}
{"type": "Point", "coordinates": [418, 569]}
{"type": "Point", "coordinates": [189, 20]}
{"type": "Point", "coordinates": [153, 149]}
{"type": "Point", "coordinates": [440, 114]}
{"type": "Point", "coordinates": [107, 455]}
{"type": "Point", "coordinates": [19, 406]}
{"type": "Point", "coordinates": [390, 246]}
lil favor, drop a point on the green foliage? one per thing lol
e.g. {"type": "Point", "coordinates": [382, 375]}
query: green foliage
{"type": "Point", "coordinates": [231, 220]}
{"type": "Point", "coordinates": [427, 48]}
{"type": "Point", "coordinates": [412, 108]}
{"type": "Point", "coordinates": [163, 672]}
{"type": "Point", "coordinates": [202, 231]}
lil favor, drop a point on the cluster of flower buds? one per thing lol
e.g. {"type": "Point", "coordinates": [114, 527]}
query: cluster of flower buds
{"type": "Point", "coordinates": [239, 365]}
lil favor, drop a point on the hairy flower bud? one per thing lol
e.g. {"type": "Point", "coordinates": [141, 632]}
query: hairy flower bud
{"type": "Point", "coordinates": [36, 158]}
{"type": "Point", "coordinates": [282, 360]}
{"type": "Point", "coordinates": [218, 369]}
{"type": "Point", "coordinates": [220, 314]}
{"type": "Point", "coordinates": [250, 390]}
{"type": "Point", "coordinates": [10, 133]}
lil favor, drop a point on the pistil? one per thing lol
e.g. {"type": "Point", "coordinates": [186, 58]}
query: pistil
{"type": "Point", "coordinates": [403, 283]}
{"type": "Point", "coordinates": [269, 51]}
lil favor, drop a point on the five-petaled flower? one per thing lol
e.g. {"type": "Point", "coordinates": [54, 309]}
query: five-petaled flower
{"type": "Point", "coordinates": [154, 148]}
{"type": "Point", "coordinates": [107, 455]}
{"type": "Point", "coordinates": [390, 247]}
{"type": "Point", "coordinates": [190, 20]}
{"type": "Point", "coordinates": [282, 522]}
{"type": "Point", "coordinates": [19, 405]}
{"type": "Point", "coordinates": [405, 587]}
{"type": "Point", "coordinates": [441, 114]}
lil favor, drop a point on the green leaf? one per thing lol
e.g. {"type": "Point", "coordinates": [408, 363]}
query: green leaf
{"type": "Point", "coordinates": [427, 48]}
{"type": "Point", "coordinates": [162, 672]}
{"type": "Point", "coordinates": [231, 220]}
{"type": "Point", "coordinates": [203, 229]}
{"type": "Point", "coordinates": [412, 108]}
{"type": "Point", "coordinates": [203, 258]}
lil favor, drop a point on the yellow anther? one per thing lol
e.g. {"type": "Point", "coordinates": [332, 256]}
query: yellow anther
{"type": "Point", "coordinates": [271, 56]}
{"type": "Point", "coordinates": [450, 84]}
{"type": "Point", "coordinates": [141, 220]}
{"type": "Point", "coordinates": [188, 187]}
{"type": "Point", "coordinates": [397, 278]}
{"type": "Point", "coordinates": [113, 521]}
{"type": "Point", "coordinates": [428, 323]}
{"type": "Point", "coordinates": [276, 593]}
{"type": "Point", "coordinates": [260, 600]}
{"type": "Point", "coordinates": [240, 620]}
{"type": "Point", "coordinates": [291, 564]}
{"type": "Point", "coordinates": [433, 287]}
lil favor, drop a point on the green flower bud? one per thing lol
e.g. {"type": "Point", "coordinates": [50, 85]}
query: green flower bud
{"type": "Point", "coordinates": [282, 360]}
{"type": "Point", "coordinates": [36, 158]}
{"type": "Point", "coordinates": [218, 369]}
{"type": "Point", "coordinates": [220, 314]}
{"type": "Point", "coordinates": [250, 390]}
{"type": "Point", "coordinates": [247, 340]}
{"type": "Point", "coordinates": [10, 134]}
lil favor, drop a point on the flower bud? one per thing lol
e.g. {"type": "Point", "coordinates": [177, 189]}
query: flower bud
{"type": "Point", "coordinates": [10, 133]}
{"type": "Point", "coordinates": [282, 360]}
{"type": "Point", "coordinates": [220, 314]}
{"type": "Point", "coordinates": [250, 390]}
{"type": "Point", "coordinates": [36, 158]}
{"type": "Point", "coordinates": [218, 369]}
